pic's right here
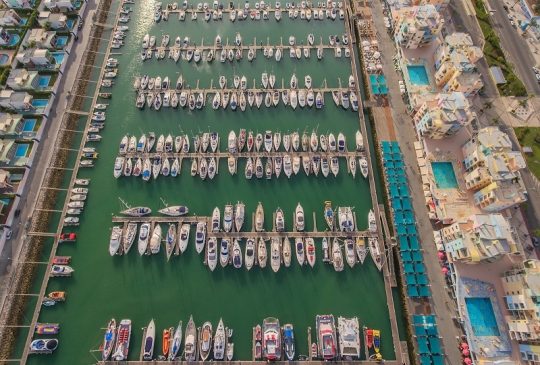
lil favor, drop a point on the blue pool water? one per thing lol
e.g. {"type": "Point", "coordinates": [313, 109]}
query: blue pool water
{"type": "Point", "coordinates": [29, 125]}
{"type": "Point", "coordinates": [58, 57]}
{"type": "Point", "coordinates": [14, 39]}
{"type": "Point", "coordinates": [378, 84]}
{"type": "Point", "coordinates": [482, 317]}
{"type": "Point", "coordinates": [40, 103]}
{"type": "Point", "coordinates": [445, 178]}
{"type": "Point", "coordinates": [44, 81]}
{"type": "Point", "coordinates": [69, 23]}
{"type": "Point", "coordinates": [4, 58]}
{"type": "Point", "coordinates": [61, 41]}
{"type": "Point", "coordinates": [418, 74]}
{"type": "Point", "coordinates": [21, 150]}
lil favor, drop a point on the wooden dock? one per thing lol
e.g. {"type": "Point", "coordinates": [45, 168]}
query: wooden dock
{"type": "Point", "coordinates": [252, 154]}
{"type": "Point", "coordinates": [255, 47]}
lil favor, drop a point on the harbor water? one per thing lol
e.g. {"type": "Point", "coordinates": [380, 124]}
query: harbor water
{"type": "Point", "coordinates": [142, 288]}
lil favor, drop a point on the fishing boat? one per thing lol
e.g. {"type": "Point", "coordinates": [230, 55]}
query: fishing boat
{"type": "Point", "coordinates": [216, 220]}
{"type": "Point", "coordinates": [115, 240]}
{"type": "Point", "coordinates": [200, 237]}
{"type": "Point", "coordinates": [51, 329]}
{"type": "Point", "coordinates": [205, 340]}
{"type": "Point", "coordinates": [310, 251]}
{"type": "Point", "coordinates": [288, 341]}
{"type": "Point", "coordinates": [220, 341]}
{"type": "Point", "coordinates": [170, 240]}
{"type": "Point", "coordinates": [183, 237]}
{"type": "Point", "coordinates": [299, 218]}
{"type": "Point", "coordinates": [149, 340]}
{"type": "Point", "coordinates": [224, 251]}
{"type": "Point", "coordinates": [275, 253]}
{"type": "Point", "coordinates": [166, 341]}
{"type": "Point", "coordinates": [144, 234]}
{"type": "Point", "coordinates": [155, 240]}
{"type": "Point", "coordinates": [123, 337]}
{"type": "Point", "coordinates": [190, 347]}
{"type": "Point", "coordinates": [300, 252]}
{"type": "Point", "coordinates": [375, 252]}
{"type": "Point", "coordinates": [250, 253]}
{"type": "Point", "coordinates": [349, 338]}
{"type": "Point", "coordinates": [43, 346]}
{"type": "Point", "coordinates": [239, 213]}
{"type": "Point", "coordinates": [236, 254]}
{"type": "Point", "coordinates": [326, 337]}
{"type": "Point", "coordinates": [271, 339]}
{"type": "Point", "coordinates": [352, 166]}
{"type": "Point", "coordinates": [372, 222]}
{"type": "Point", "coordinates": [259, 218]}
{"type": "Point", "coordinates": [61, 270]}
{"type": "Point", "coordinates": [361, 250]}
{"type": "Point", "coordinates": [337, 256]}
{"type": "Point", "coordinates": [211, 253]}
{"type": "Point", "coordinates": [108, 340]}
{"type": "Point", "coordinates": [350, 252]}
{"type": "Point", "coordinates": [261, 253]}
{"type": "Point", "coordinates": [175, 343]}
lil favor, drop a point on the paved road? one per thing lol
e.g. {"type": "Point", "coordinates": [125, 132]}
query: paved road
{"type": "Point", "coordinates": [516, 47]}
{"type": "Point", "coordinates": [43, 157]}
{"type": "Point", "coordinates": [441, 304]}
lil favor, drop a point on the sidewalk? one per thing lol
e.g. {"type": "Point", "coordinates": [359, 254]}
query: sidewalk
{"type": "Point", "coordinates": [441, 304]}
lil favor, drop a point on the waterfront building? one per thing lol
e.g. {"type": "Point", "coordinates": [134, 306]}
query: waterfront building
{"type": "Point", "coordinates": [59, 5]}
{"type": "Point", "coordinates": [15, 100]}
{"type": "Point", "coordinates": [492, 170]}
{"type": "Point", "coordinates": [41, 38]}
{"type": "Point", "coordinates": [35, 58]}
{"type": "Point", "coordinates": [521, 287]}
{"type": "Point", "coordinates": [21, 79]}
{"type": "Point", "coordinates": [19, 4]}
{"type": "Point", "coordinates": [50, 20]}
{"type": "Point", "coordinates": [417, 26]}
{"type": "Point", "coordinates": [455, 64]}
{"type": "Point", "coordinates": [443, 115]}
{"type": "Point", "coordinates": [530, 354]}
{"type": "Point", "coordinates": [5, 180]}
{"type": "Point", "coordinates": [9, 18]}
{"type": "Point", "coordinates": [11, 124]}
{"type": "Point", "coordinates": [479, 238]}
{"type": "Point", "coordinates": [440, 5]}
{"type": "Point", "coordinates": [5, 37]}
{"type": "Point", "coordinates": [7, 151]}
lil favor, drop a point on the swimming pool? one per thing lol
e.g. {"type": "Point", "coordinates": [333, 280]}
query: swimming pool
{"type": "Point", "coordinates": [21, 150]}
{"type": "Point", "coordinates": [14, 39]}
{"type": "Point", "coordinates": [40, 103]}
{"type": "Point", "coordinates": [69, 23]}
{"type": "Point", "coordinates": [61, 41]}
{"type": "Point", "coordinates": [29, 125]}
{"type": "Point", "coordinates": [482, 317]}
{"type": "Point", "coordinates": [44, 81]}
{"type": "Point", "coordinates": [418, 74]}
{"type": "Point", "coordinates": [4, 58]}
{"type": "Point", "coordinates": [444, 174]}
{"type": "Point", "coordinates": [58, 57]}
{"type": "Point", "coordinates": [378, 84]}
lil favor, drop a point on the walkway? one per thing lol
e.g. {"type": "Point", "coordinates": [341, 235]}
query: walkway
{"type": "Point", "coordinates": [441, 305]}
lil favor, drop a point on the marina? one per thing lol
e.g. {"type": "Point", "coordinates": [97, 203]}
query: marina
{"type": "Point", "coordinates": [155, 284]}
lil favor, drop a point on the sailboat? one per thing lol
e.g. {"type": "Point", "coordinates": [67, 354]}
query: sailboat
{"type": "Point", "coordinates": [155, 240]}
{"type": "Point", "coordinates": [190, 347]}
{"type": "Point", "coordinates": [176, 342]}
{"type": "Point", "coordinates": [361, 250]}
{"type": "Point", "coordinates": [170, 240]}
{"type": "Point", "coordinates": [300, 253]}
{"type": "Point", "coordinates": [149, 341]}
{"type": "Point", "coordinates": [220, 340]}
{"type": "Point", "coordinates": [275, 253]}
{"type": "Point", "coordinates": [259, 218]}
{"type": "Point", "coordinates": [261, 253]}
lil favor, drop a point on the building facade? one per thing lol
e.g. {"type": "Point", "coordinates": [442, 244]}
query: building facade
{"type": "Point", "coordinates": [417, 26]}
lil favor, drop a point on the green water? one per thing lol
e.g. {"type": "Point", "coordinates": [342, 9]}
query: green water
{"type": "Point", "coordinates": [142, 288]}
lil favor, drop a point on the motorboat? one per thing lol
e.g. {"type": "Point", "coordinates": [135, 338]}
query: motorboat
{"type": "Point", "coordinates": [372, 222]}
{"type": "Point", "coordinates": [299, 218]}
{"type": "Point", "coordinates": [183, 237]}
{"type": "Point", "coordinates": [261, 253]}
{"type": "Point", "coordinates": [211, 253]}
{"type": "Point", "coordinates": [349, 338]}
{"type": "Point", "coordinates": [300, 252]}
{"type": "Point", "coordinates": [310, 251]}
{"type": "Point", "coordinates": [268, 141]}
{"type": "Point", "coordinates": [43, 346]}
{"type": "Point", "coordinates": [236, 254]}
{"type": "Point", "coordinates": [288, 341]}
{"type": "Point", "coordinates": [190, 347]}
{"type": "Point", "coordinates": [205, 340]}
{"type": "Point", "coordinates": [375, 252]}
{"type": "Point", "coordinates": [200, 236]}
{"type": "Point", "coordinates": [144, 234]}
{"type": "Point", "coordinates": [361, 250]}
{"type": "Point", "coordinates": [224, 254]}
{"type": "Point", "coordinates": [359, 141]}
{"type": "Point", "coordinates": [115, 240]}
{"type": "Point", "coordinates": [149, 340]}
{"type": "Point", "coordinates": [216, 220]}
{"type": "Point", "coordinates": [170, 240]}
{"type": "Point", "coordinates": [275, 253]}
{"type": "Point", "coordinates": [271, 339]}
{"type": "Point", "coordinates": [175, 342]}
{"type": "Point", "coordinates": [228, 214]}
{"type": "Point", "coordinates": [326, 337]}
{"type": "Point", "coordinates": [259, 218]}
{"type": "Point", "coordinates": [364, 167]}
{"type": "Point", "coordinates": [250, 253]}
{"type": "Point", "coordinates": [121, 348]}
{"type": "Point", "coordinates": [220, 340]}
{"type": "Point", "coordinates": [350, 254]}
{"type": "Point", "coordinates": [337, 256]}
{"type": "Point", "coordinates": [239, 213]}
{"type": "Point", "coordinates": [108, 340]}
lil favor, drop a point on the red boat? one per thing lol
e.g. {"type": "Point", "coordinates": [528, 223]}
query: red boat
{"type": "Point", "coordinates": [68, 237]}
{"type": "Point", "coordinates": [61, 260]}
{"type": "Point", "coordinates": [258, 333]}
{"type": "Point", "coordinates": [369, 338]}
